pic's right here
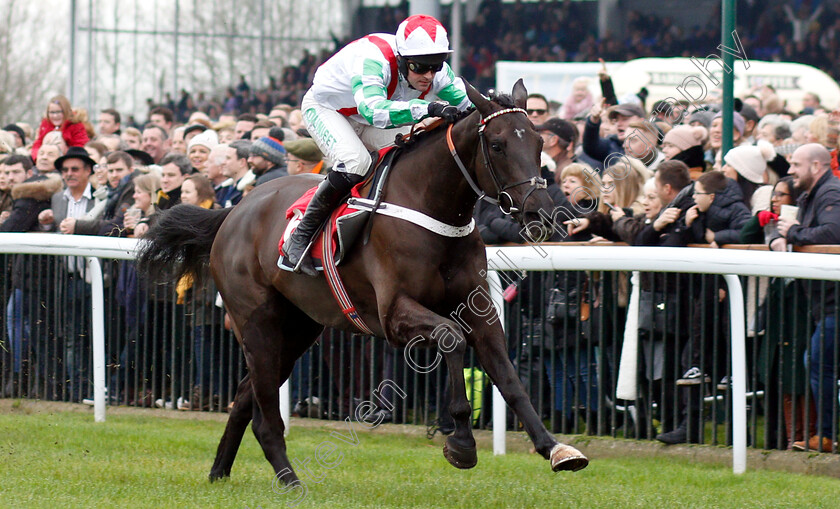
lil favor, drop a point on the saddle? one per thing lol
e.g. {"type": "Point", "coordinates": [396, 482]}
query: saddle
{"type": "Point", "coordinates": [346, 223]}
{"type": "Point", "coordinates": [355, 215]}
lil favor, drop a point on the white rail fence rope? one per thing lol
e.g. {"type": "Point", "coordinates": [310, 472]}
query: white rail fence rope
{"type": "Point", "coordinates": [728, 263]}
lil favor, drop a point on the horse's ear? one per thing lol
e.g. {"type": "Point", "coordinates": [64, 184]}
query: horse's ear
{"type": "Point", "coordinates": [520, 94]}
{"type": "Point", "coordinates": [481, 103]}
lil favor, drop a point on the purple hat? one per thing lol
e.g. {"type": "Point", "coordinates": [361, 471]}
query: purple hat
{"type": "Point", "coordinates": [737, 120]}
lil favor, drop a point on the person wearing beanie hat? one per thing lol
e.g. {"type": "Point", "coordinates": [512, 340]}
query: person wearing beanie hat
{"type": "Point", "coordinates": [268, 159]}
{"type": "Point", "coordinates": [305, 157]}
{"type": "Point", "coordinates": [747, 165]}
{"type": "Point", "coordinates": [701, 118]}
{"type": "Point", "coordinates": [207, 138]}
{"type": "Point", "coordinates": [716, 129]}
{"type": "Point", "coordinates": [685, 143]}
{"type": "Point", "coordinates": [199, 149]}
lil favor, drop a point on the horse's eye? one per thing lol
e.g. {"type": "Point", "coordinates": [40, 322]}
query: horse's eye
{"type": "Point", "coordinates": [497, 147]}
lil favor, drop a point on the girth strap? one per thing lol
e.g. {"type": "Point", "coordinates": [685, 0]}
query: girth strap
{"type": "Point", "coordinates": [412, 216]}
{"type": "Point", "coordinates": [334, 279]}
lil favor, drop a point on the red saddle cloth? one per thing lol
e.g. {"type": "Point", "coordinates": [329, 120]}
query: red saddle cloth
{"type": "Point", "coordinates": [300, 206]}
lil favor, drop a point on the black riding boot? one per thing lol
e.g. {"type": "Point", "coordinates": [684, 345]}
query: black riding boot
{"type": "Point", "coordinates": [328, 195]}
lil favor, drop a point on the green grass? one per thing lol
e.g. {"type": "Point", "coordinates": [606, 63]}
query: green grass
{"type": "Point", "coordinates": [65, 460]}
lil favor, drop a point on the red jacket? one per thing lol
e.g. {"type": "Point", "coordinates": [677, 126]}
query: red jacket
{"type": "Point", "coordinates": [73, 133]}
{"type": "Point", "coordinates": [835, 164]}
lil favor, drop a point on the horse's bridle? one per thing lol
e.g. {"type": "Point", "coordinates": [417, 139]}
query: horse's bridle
{"type": "Point", "coordinates": [504, 200]}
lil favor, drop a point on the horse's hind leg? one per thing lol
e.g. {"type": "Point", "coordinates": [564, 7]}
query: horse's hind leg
{"type": "Point", "coordinates": [274, 337]}
{"type": "Point", "coordinates": [407, 319]}
{"type": "Point", "coordinates": [237, 423]}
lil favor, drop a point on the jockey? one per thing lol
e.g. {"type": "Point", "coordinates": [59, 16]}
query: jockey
{"type": "Point", "coordinates": [358, 97]}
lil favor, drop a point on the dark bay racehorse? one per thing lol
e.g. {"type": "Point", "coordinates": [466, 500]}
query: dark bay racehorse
{"type": "Point", "coordinates": [405, 281]}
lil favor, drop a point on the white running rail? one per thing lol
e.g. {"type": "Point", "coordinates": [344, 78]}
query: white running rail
{"type": "Point", "coordinates": [729, 263]}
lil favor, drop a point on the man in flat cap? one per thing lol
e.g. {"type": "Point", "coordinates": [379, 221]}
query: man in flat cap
{"type": "Point", "coordinates": [304, 156]}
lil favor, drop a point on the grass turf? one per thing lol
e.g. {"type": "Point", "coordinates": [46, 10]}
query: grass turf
{"type": "Point", "coordinates": [63, 459]}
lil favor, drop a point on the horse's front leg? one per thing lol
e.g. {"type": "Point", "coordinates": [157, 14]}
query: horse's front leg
{"type": "Point", "coordinates": [410, 324]}
{"type": "Point", "coordinates": [488, 340]}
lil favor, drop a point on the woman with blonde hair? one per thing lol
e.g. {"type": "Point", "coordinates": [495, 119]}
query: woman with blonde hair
{"type": "Point", "coordinates": [136, 218]}
{"type": "Point", "coordinates": [60, 117]}
{"type": "Point", "coordinates": [621, 185]}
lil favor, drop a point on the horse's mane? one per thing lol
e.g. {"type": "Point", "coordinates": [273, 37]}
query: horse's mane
{"type": "Point", "coordinates": [418, 138]}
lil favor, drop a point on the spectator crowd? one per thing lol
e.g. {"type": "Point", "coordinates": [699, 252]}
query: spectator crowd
{"type": "Point", "coordinates": [656, 175]}
{"type": "Point", "coordinates": [643, 174]}
{"type": "Point", "coordinates": [113, 180]}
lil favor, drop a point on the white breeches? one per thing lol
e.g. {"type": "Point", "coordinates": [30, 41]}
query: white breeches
{"type": "Point", "coordinates": [345, 142]}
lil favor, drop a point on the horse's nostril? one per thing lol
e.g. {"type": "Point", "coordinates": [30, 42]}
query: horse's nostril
{"type": "Point", "coordinates": [538, 231]}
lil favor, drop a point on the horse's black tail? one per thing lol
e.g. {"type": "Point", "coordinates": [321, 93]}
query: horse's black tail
{"type": "Point", "coordinates": [179, 243]}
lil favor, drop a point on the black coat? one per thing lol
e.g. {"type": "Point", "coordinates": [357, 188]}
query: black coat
{"type": "Point", "coordinates": [30, 272]}
{"type": "Point", "coordinates": [693, 157]}
{"type": "Point", "coordinates": [495, 227]}
{"type": "Point", "coordinates": [111, 223]}
{"type": "Point", "coordinates": [819, 214]}
{"type": "Point", "coordinates": [271, 174]}
{"type": "Point", "coordinates": [627, 227]}
{"type": "Point", "coordinates": [819, 223]}
{"type": "Point", "coordinates": [30, 198]}
{"type": "Point", "coordinates": [564, 211]}
{"type": "Point", "coordinates": [601, 224]}
{"type": "Point", "coordinates": [168, 200]}
{"type": "Point", "coordinates": [676, 234]}
{"type": "Point", "coordinates": [570, 284]}
{"type": "Point", "coordinates": [599, 148]}
{"type": "Point", "coordinates": [725, 217]}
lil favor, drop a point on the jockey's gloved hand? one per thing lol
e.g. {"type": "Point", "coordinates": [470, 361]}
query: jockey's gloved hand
{"type": "Point", "coordinates": [445, 111]}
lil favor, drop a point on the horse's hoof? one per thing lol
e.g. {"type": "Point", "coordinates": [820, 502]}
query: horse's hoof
{"type": "Point", "coordinates": [566, 457]}
{"type": "Point", "coordinates": [216, 476]}
{"type": "Point", "coordinates": [458, 457]}
{"type": "Point", "coordinates": [283, 478]}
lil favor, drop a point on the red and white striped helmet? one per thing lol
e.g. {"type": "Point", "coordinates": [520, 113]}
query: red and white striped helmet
{"type": "Point", "coordinates": [422, 35]}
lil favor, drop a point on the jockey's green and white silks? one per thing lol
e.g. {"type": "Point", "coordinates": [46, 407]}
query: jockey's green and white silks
{"type": "Point", "coordinates": [345, 142]}
{"type": "Point", "coordinates": [357, 80]}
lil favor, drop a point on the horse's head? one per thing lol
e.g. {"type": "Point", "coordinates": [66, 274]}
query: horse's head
{"type": "Point", "coordinates": [511, 150]}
